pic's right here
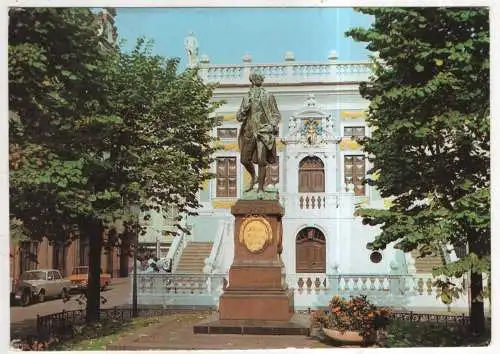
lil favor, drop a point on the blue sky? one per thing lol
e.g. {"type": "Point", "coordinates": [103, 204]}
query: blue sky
{"type": "Point", "coordinates": [226, 34]}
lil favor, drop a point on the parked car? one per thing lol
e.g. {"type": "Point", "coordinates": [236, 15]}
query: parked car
{"type": "Point", "coordinates": [79, 278]}
{"type": "Point", "coordinates": [39, 285]}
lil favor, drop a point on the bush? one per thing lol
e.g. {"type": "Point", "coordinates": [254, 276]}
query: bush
{"type": "Point", "coordinates": [426, 334]}
{"type": "Point", "coordinates": [356, 314]}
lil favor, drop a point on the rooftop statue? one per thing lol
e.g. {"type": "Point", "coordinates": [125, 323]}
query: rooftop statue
{"type": "Point", "coordinates": [192, 50]}
{"type": "Point", "coordinates": [259, 117]}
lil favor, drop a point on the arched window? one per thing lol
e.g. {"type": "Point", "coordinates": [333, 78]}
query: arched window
{"type": "Point", "coordinates": [311, 175]}
{"type": "Point", "coordinates": [310, 248]}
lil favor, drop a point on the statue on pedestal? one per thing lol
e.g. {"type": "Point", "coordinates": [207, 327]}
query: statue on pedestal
{"type": "Point", "coordinates": [259, 117]}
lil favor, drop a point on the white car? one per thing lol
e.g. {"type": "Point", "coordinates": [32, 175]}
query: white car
{"type": "Point", "coordinates": [41, 284]}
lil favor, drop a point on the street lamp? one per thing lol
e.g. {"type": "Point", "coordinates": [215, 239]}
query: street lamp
{"type": "Point", "coordinates": [135, 244]}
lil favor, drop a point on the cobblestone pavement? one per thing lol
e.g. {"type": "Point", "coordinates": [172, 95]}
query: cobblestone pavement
{"type": "Point", "coordinates": [23, 319]}
{"type": "Point", "coordinates": [176, 332]}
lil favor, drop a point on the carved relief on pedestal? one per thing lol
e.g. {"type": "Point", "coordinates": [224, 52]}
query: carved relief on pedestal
{"type": "Point", "coordinates": [255, 233]}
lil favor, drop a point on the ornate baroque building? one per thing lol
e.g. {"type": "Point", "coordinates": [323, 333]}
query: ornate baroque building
{"type": "Point", "coordinates": [319, 175]}
{"type": "Point", "coordinates": [320, 170]}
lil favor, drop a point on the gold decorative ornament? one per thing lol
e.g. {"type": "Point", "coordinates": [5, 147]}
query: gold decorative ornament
{"type": "Point", "coordinates": [229, 117]}
{"type": "Point", "coordinates": [349, 144]}
{"type": "Point", "coordinates": [255, 233]}
{"type": "Point", "coordinates": [223, 204]}
{"type": "Point", "coordinates": [231, 147]}
{"type": "Point", "coordinates": [352, 115]}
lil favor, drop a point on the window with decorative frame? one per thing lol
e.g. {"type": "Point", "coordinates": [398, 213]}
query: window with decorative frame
{"type": "Point", "coordinates": [357, 132]}
{"type": "Point", "coordinates": [354, 172]}
{"type": "Point", "coordinates": [273, 173]}
{"type": "Point", "coordinates": [311, 175]}
{"type": "Point", "coordinates": [226, 177]}
{"type": "Point", "coordinates": [227, 133]}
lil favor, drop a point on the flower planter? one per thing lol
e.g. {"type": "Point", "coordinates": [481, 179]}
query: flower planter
{"type": "Point", "coordinates": [347, 337]}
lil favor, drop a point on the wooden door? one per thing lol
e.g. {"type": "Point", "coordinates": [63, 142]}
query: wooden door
{"type": "Point", "coordinates": [310, 251]}
{"type": "Point", "coordinates": [311, 175]}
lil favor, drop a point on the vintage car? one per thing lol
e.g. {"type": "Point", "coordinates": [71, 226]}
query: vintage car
{"type": "Point", "coordinates": [39, 285]}
{"type": "Point", "coordinates": [80, 276]}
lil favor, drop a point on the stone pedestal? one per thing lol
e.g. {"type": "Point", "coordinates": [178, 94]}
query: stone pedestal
{"type": "Point", "coordinates": [257, 288]}
{"type": "Point", "coordinates": [257, 300]}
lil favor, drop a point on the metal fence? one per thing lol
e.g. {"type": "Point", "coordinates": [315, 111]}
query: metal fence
{"type": "Point", "coordinates": [446, 319]}
{"type": "Point", "coordinates": [434, 318]}
{"type": "Point", "coordinates": [67, 323]}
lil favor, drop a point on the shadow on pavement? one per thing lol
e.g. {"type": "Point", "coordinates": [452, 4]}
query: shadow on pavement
{"type": "Point", "coordinates": [23, 329]}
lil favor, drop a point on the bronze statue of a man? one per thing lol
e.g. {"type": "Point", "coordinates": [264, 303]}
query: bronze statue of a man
{"type": "Point", "coordinates": [259, 117]}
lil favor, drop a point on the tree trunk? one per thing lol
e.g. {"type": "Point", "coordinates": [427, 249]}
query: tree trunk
{"type": "Point", "coordinates": [94, 287]}
{"type": "Point", "coordinates": [477, 319]}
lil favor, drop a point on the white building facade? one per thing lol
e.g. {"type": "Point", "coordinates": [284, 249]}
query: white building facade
{"type": "Point", "coordinates": [320, 168]}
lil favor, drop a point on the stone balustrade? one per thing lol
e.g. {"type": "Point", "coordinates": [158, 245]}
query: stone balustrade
{"type": "Point", "coordinates": [311, 290]}
{"type": "Point", "coordinates": [319, 205]}
{"type": "Point", "coordinates": [176, 289]}
{"type": "Point", "coordinates": [288, 72]}
{"type": "Point", "coordinates": [363, 283]}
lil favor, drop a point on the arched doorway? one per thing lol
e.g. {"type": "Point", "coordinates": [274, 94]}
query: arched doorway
{"type": "Point", "coordinates": [310, 251]}
{"type": "Point", "coordinates": [311, 175]}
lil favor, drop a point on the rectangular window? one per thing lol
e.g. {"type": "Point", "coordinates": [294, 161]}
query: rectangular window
{"type": "Point", "coordinates": [226, 177]}
{"type": "Point", "coordinates": [273, 173]}
{"type": "Point", "coordinates": [84, 251]}
{"type": "Point", "coordinates": [227, 133]}
{"type": "Point", "coordinates": [354, 172]}
{"type": "Point", "coordinates": [354, 131]}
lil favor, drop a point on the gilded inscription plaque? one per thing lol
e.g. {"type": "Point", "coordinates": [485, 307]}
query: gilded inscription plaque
{"type": "Point", "coordinates": [255, 233]}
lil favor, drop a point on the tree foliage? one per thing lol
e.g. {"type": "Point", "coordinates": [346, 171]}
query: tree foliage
{"type": "Point", "coordinates": [55, 79]}
{"type": "Point", "coordinates": [429, 106]}
{"type": "Point", "coordinates": [94, 131]}
{"type": "Point", "coordinates": [163, 141]}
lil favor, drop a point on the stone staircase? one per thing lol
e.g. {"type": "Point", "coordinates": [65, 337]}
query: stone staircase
{"type": "Point", "coordinates": [425, 265]}
{"type": "Point", "coordinates": [193, 257]}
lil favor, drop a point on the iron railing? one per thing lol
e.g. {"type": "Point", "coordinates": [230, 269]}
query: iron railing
{"type": "Point", "coordinates": [67, 323]}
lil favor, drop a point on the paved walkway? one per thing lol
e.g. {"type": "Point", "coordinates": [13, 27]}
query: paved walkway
{"type": "Point", "coordinates": [23, 319]}
{"type": "Point", "coordinates": [176, 332]}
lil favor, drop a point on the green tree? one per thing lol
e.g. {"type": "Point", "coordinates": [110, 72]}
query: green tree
{"type": "Point", "coordinates": [429, 106]}
{"type": "Point", "coordinates": [57, 85]}
{"type": "Point", "coordinates": [94, 132]}
{"type": "Point", "coordinates": [163, 142]}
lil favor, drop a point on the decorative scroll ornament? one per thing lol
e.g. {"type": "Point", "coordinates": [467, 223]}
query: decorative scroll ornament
{"type": "Point", "coordinates": [311, 100]}
{"type": "Point", "coordinates": [255, 233]}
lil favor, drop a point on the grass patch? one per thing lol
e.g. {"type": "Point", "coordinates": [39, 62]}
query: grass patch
{"type": "Point", "coordinates": [426, 334]}
{"type": "Point", "coordinates": [98, 336]}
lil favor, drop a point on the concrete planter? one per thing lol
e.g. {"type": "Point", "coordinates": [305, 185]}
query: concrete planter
{"type": "Point", "coordinates": [347, 337]}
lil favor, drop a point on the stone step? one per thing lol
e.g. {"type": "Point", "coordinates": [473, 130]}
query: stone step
{"type": "Point", "coordinates": [190, 265]}
{"type": "Point", "coordinates": [193, 257]}
{"type": "Point", "coordinates": [427, 264]}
